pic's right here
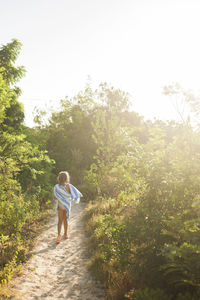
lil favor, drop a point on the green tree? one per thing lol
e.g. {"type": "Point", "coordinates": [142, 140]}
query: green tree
{"type": "Point", "coordinates": [68, 135]}
{"type": "Point", "coordinates": [14, 113]}
{"type": "Point", "coordinates": [5, 98]}
{"type": "Point", "coordinates": [25, 168]}
{"type": "Point", "coordinates": [8, 56]}
{"type": "Point", "coordinates": [150, 226]}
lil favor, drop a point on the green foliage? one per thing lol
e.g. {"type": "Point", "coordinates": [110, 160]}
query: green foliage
{"type": "Point", "coordinates": [25, 170]}
{"type": "Point", "coordinates": [8, 55]}
{"type": "Point", "coordinates": [144, 224]}
{"type": "Point", "coordinates": [186, 296]}
{"type": "Point", "coordinates": [10, 250]}
{"type": "Point", "coordinates": [6, 95]}
{"type": "Point", "coordinates": [14, 116]}
{"type": "Point", "coordinates": [148, 294]}
{"type": "Point", "coordinates": [13, 111]}
{"type": "Point", "coordinates": [153, 215]}
{"type": "Point", "coordinates": [68, 136]}
{"type": "Point", "coordinates": [100, 116]}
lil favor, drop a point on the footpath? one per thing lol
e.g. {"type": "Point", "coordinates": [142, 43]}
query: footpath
{"type": "Point", "coordinates": [59, 271]}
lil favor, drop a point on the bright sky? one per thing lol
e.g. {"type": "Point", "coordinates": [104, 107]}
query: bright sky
{"type": "Point", "coordinates": [136, 45]}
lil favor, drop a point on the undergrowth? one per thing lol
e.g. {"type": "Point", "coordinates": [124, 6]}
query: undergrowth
{"type": "Point", "coordinates": [15, 250]}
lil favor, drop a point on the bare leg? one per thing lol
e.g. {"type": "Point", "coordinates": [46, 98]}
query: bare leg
{"type": "Point", "coordinates": [60, 220]}
{"type": "Point", "coordinates": [65, 222]}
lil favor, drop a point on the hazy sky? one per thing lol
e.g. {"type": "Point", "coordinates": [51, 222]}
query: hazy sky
{"type": "Point", "coordinates": [136, 45]}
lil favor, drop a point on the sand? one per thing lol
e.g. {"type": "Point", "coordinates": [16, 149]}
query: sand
{"type": "Point", "coordinates": [59, 271]}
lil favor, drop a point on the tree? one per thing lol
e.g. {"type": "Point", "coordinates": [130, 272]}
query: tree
{"type": "Point", "coordinates": [184, 101]}
{"type": "Point", "coordinates": [8, 56]}
{"type": "Point", "coordinates": [14, 112]}
{"type": "Point", "coordinates": [6, 95]}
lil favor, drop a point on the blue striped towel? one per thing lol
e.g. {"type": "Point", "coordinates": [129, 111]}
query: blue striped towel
{"type": "Point", "coordinates": [65, 197]}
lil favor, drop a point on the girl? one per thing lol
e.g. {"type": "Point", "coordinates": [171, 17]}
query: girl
{"type": "Point", "coordinates": [64, 192]}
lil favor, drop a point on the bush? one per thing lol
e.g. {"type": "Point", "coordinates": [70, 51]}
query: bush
{"type": "Point", "coordinates": [148, 294]}
{"type": "Point", "coordinates": [187, 296]}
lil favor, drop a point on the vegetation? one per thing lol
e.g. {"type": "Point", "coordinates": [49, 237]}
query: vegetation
{"type": "Point", "coordinates": [24, 168]}
{"type": "Point", "coordinates": [141, 181]}
{"type": "Point", "coordinates": [144, 227]}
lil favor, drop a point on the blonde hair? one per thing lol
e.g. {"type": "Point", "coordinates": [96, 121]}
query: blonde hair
{"type": "Point", "coordinates": [63, 177]}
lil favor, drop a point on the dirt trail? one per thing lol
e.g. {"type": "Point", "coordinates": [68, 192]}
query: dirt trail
{"type": "Point", "coordinates": [59, 271]}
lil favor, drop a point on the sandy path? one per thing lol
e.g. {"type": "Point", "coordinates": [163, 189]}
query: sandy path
{"type": "Point", "coordinates": [60, 271]}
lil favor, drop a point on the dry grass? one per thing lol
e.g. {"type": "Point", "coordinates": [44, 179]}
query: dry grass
{"type": "Point", "coordinates": [6, 293]}
{"type": "Point", "coordinates": [29, 234]}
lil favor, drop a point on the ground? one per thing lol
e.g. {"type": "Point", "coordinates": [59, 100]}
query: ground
{"type": "Point", "coordinates": [59, 271]}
